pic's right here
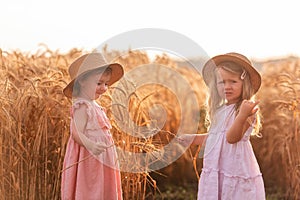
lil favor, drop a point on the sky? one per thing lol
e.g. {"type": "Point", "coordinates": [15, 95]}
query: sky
{"type": "Point", "coordinates": [260, 29]}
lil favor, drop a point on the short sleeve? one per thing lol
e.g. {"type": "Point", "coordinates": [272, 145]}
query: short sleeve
{"type": "Point", "coordinates": [92, 122]}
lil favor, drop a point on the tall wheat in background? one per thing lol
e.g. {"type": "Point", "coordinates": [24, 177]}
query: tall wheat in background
{"type": "Point", "coordinates": [34, 124]}
{"type": "Point", "coordinates": [278, 151]}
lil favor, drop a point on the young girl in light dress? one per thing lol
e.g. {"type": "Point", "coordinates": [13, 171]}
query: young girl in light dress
{"type": "Point", "coordinates": [90, 169]}
{"type": "Point", "coordinates": [230, 169]}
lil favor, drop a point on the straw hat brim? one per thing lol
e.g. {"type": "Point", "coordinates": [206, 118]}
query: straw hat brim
{"type": "Point", "coordinates": [117, 73]}
{"type": "Point", "coordinates": [210, 66]}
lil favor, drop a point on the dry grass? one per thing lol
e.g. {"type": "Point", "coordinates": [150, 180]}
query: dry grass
{"type": "Point", "coordinates": [34, 123]}
{"type": "Point", "coordinates": [136, 108]}
{"type": "Point", "coordinates": [278, 151]}
{"type": "Point", "coordinates": [34, 127]}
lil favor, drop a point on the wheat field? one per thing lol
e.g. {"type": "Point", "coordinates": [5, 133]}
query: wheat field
{"type": "Point", "coordinates": [34, 124]}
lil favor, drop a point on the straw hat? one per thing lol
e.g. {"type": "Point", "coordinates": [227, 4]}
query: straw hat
{"type": "Point", "coordinates": [210, 66]}
{"type": "Point", "coordinates": [88, 62]}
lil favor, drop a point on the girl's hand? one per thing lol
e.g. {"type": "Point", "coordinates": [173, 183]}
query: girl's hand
{"type": "Point", "coordinates": [96, 148]}
{"type": "Point", "coordinates": [184, 139]}
{"type": "Point", "coordinates": [248, 108]}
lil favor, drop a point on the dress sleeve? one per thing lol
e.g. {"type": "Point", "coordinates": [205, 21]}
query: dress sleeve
{"type": "Point", "coordinates": [92, 122]}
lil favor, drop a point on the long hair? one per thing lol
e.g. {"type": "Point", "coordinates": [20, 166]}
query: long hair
{"type": "Point", "coordinates": [214, 101]}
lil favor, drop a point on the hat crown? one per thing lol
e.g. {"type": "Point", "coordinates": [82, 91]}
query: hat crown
{"type": "Point", "coordinates": [86, 63]}
{"type": "Point", "coordinates": [240, 56]}
{"type": "Point", "coordinates": [243, 61]}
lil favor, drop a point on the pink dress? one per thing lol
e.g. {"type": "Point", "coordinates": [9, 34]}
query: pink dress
{"type": "Point", "coordinates": [86, 176]}
{"type": "Point", "coordinates": [230, 171]}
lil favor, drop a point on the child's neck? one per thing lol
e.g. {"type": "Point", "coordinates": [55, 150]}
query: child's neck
{"type": "Point", "coordinates": [84, 97]}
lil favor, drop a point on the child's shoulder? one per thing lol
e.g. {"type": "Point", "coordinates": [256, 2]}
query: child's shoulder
{"type": "Point", "coordinates": [82, 105]}
{"type": "Point", "coordinates": [79, 103]}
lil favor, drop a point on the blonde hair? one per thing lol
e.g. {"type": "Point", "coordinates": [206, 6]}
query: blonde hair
{"type": "Point", "coordinates": [214, 101]}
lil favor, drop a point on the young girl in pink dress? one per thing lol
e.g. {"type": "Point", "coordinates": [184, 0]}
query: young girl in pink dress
{"type": "Point", "coordinates": [90, 169]}
{"type": "Point", "coordinates": [230, 169]}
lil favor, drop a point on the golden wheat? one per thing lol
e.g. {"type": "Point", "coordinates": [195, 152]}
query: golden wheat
{"type": "Point", "coordinates": [279, 150]}
{"type": "Point", "coordinates": [34, 123]}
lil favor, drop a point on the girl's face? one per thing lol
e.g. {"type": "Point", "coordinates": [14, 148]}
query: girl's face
{"type": "Point", "coordinates": [93, 86]}
{"type": "Point", "coordinates": [229, 85]}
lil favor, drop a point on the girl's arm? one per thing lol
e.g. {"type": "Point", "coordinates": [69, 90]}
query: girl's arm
{"type": "Point", "coordinates": [192, 139]}
{"type": "Point", "coordinates": [241, 122]}
{"type": "Point", "coordinates": [79, 123]}
{"type": "Point", "coordinates": [78, 127]}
